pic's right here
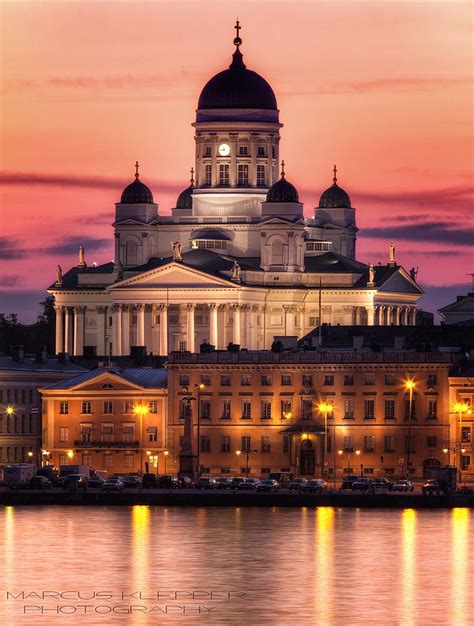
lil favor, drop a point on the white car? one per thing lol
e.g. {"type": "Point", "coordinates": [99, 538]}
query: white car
{"type": "Point", "coordinates": [113, 484]}
{"type": "Point", "coordinates": [403, 485]}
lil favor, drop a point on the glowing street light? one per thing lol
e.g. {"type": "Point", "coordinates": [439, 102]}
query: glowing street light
{"type": "Point", "coordinates": [325, 408]}
{"type": "Point", "coordinates": [141, 410]}
{"type": "Point", "coordinates": [9, 410]}
{"type": "Point", "coordinates": [409, 385]}
{"type": "Point", "coordinates": [70, 454]}
{"type": "Point", "coordinates": [165, 453]}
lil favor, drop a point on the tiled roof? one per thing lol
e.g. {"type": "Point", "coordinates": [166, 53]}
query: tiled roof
{"type": "Point", "coordinates": [30, 364]}
{"type": "Point", "coordinates": [148, 377]}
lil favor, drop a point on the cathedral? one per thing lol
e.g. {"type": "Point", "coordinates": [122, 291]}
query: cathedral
{"type": "Point", "coordinates": [236, 261]}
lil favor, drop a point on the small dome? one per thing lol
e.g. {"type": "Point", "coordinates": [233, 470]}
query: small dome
{"type": "Point", "coordinates": [335, 197]}
{"type": "Point", "coordinates": [136, 192]}
{"type": "Point", "coordinates": [282, 190]}
{"type": "Point", "coordinates": [185, 200]}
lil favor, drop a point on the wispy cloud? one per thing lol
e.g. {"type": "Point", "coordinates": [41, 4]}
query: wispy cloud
{"type": "Point", "coordinates": [11, 280]}
{"type": "Point", "coordinates": [12, 249]}
{"type": "Point", "coordinates": [438, 231]}
{"type": "Point", "coordinates": [71, 245]}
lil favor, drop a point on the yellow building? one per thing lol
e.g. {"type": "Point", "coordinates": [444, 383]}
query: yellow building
{"type": "Point", "coordinates": [311, 412]}
{"type": "Point", "coordinates": [109, 419]}
{"type": "Point", "coordinates": [461, 403]}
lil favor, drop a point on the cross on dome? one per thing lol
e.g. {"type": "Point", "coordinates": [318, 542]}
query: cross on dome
{"type": "Point", "coordinates": [192, 177]}
{"type": "Point", "coordinates": [237, 39]}
{"type": "Point", "coordinates": [334, 180]}
{"type": "Point", "coordinates": [137, 165]}
{"type": "Point", "coordinates": [283, 169]}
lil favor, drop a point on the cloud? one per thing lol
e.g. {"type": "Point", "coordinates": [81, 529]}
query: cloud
{"type": "Point", "coordinates": [11, 280]}
{"type": "Point", "coordinates": [71, 245]}
{"type": "Point", "coordinates": [12, 249]}
{"type": "Point", "coordinates": [439, 231]}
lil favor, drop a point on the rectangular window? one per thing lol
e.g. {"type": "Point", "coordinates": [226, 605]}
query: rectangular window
{"type": "Point", "coordinates": [410, 443]}
{"type": "Point", "coordinates": [389, 409]}
{"type": "Point", "coordinates": [128, 432]}
{"type": "Point", "coordinates": [432, 380]}
{"type": "Point", "coordinates": [225, 380]}
{"type": "Point", "coordinates": [286, 380]}
{"type": "Point", "coordinates": [64, 408]}
{"type": "Point", "coordinates": [86, 433]}
{"type": "Point", "coordinates": [208, 174]}
{"type": "Point", "coordinates": [206, 380]}
{"type": "Point", "coordinates": [465, 462]}
{"type": "Point", "coordinates": [152, 436]}
{"type": "Point", "coordinates": [329, 443]}
{"type": "Point", "coordinates": [225, 410]}
{"type": "Point", "coordinates": [266, 446]}
{"type": "Point", "coordinates": [261, 151]}
{"type": "Point", "coordinates": [246, 443]}
{"type": "Point", "coordinates": [86, 407]}
{"type": "Point", "coordinates": [108, 460]}
{"type": "Point", "coordinates": [182, 346]}
{"type": "Point", "coordinates": [328, 379]}
{"type": "Point", "coordinates": [184, 380]}
{"type": "Point", "coordinates": [86, 459]}
{"type": "Point", "coordinates": [266, 380]}
{"type": "Point", "coordinates": [266, 410]}
{"type": "Point", "coordinates": [64, 434]}
{"type": "Point", "coordinates": [432, 409]}
{"type": "Point", "coordinates": [407, 408]}
{"type": "Point", "coordinates": [369, 443]}
{"type": "Point", "coordinates": [431, 441]}
{"type": "Point", "coordinates": [369, 378]}
{"type": "Point", "coordinates": [369, 409]}
{"type": "Point", "coordinates": [389, 445]}
{"type": "Point", "coordinates": [389, 379]}
{"type": "Point", "coordinates": [63, 458]}
{"type": "Point", "coordinates": [307, 380]}
{"type": "Point", "coordinates": [246, 409]}
{"type": "Point", "coordinates": [128, 406]}
{"type": "Point", "coordinates": [207, 151]}
{"type": "Point", "coordinates": [286, 409]}
{"type": "Point", "coordinates": [224, 175]}
{"type": "Point", "coordinates": [466, 434]}
{"type": "Point", "coordinates": [261, 176]}
{"type": "Point", "coordinates": [246, 380]}
{"type": "Point", "coordinates": [205, 410]}
{"type": "Point", "coordinates": [184, 408]}
{"type": "Point", "coordinates": [153, 406]}
{"type": "Point", "coordinates": [107, 432]}
{"type": "Point", "coordinates": [348, 379]}
{"type": "Point", "coordinates": [243, 151]}
{"type": "Point", "coordinates": [348, 444]}
{"type": "Point", "coordinates": [348, 409]}
{"type": "Point", "coordinates": [225, 443]}
{"type": "Point", "coordinates": [205, 444]}
{"type": "Point", "coordinates": [128, 460]}
{"type": "Point", "coordinates": [108, 407]}
{"type": "Point", "coordinates": [307, 409]}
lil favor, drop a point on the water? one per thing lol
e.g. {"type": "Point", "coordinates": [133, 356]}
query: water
{"type": "Point", "coordinates": [271, 566]}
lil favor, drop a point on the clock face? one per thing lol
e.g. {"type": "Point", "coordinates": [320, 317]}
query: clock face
{"type": "Point", "coordinates": [224, 149]}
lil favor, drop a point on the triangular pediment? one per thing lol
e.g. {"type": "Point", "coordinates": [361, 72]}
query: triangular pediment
{"type": "Point", "coordinates": [173, 275]}
{"type": "Point", "coordinates": [280, 220]}
{"type": "Point", "coordinates": [105, 380]}
{"type": "Point", "coordinates": [400, 282]}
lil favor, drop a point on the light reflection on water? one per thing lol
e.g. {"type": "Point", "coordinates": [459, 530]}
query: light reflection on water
{"type": "Point", "coordinates": [317, 566]}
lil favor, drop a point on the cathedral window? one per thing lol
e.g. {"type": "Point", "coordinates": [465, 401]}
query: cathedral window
{"type": "Point", "coordinates": [207, 151]}
{"type": "Point", "coordinates": [131, 252]}
{"type": "Point", "coordinates": [260, 175]}
{"type": "Point", "coordinates": [208, 175]}
{"type": "Point", "coordinates": [261, 151]}
{"type": "Point", "coordinates": [243, 175]}
{"type": "Point", "coordinates": [243, 151]}
{"type": "Point", "coordinates": [318, 246]}
{"type": "Point", "coordinates": [224, 174]}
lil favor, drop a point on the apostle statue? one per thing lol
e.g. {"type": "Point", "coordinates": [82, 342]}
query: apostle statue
{"type": "Point", "coordinates": [119, 268]}
{"type": "Point", "coordinates": [59, 275]}
{"type": "Point", "coordinates": [371, 274]}
{"type": "Point", "coordinates": [236, 271]}
{"type": "Point", "coordinates": [176, 247]}
{"type": "Point", "coordinates": [391, 258]}
{"type": "Point", "coordinates": [413, 273]}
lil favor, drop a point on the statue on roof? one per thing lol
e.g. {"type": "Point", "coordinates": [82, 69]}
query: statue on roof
{"type": "Point", "coordinates": [413, 273]}
{"type": "Point", "coordinates": [119, 268]}
{"type": "Point", "coordinates": [176, 247]}
{"type": "Point", "coordinates": [59, 275]}
{"type": "Point", "coordinates": [82, 258]}
{"type": "Point", "coordinates": [371, 274]}
{"type": "Point", "coordinates": [391, 258]}
{"type": "Point", "coordinates": [236, 271]}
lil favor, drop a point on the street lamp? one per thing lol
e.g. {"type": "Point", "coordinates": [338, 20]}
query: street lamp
{"type": "Point", "coordinates": [324, 408]}
{"type": "Point", "coordinates": [247, 454]}
{"type": "Point", "coordinates": [9, 410]}
{"type": "Point", "coordinates": [349, 452]}
{"type": "Point", "coordinates": [140, 410]}
{"type": "Point", "coordinates": [461, 408]}
{"type": "Point", "coordinates": [165, 453]}
{"type": "Point", "coordinates": [199, 388]}
{"type": "Point", "coordinates": [409, 386]}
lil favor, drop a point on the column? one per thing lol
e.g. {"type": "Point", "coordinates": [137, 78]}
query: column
{"type": "Point", "coordinates": [245, 323]}
{"type": "Point", "coordinates": [190, 327]}
{"type": "Point", "coordinates": [101, 326]}
{"type": "Point", "coordinates": [413, 316]}
{"type": "Point", "coordinates": [117, 331]}
{"type": "Point", "coordinates": [213, 329]}
{"type": "Point", "coordinates": [140, 309]}
{"type": "Point", "coordinates": [268, 148]}
{"type": "Point", "coordinates": [163, 309]}
{"type": "Point", "coordinates": [253, 163]}
{"type": "Point", "coordinates": [356, 316]}
{"type": "Point", "coordinates": [236, 325]}
{"type": "Point", "coordinates": [79, 325]}
{"type": "Point", "coordinates": [302, 322]}
{"type": "Point", "coordinates": [125, 330]}
{"type": "Point", "coordinates": [221, 327]}
{"type": "Point", "coordinates": [405, 316]}
{"type": "Point", "coordinates": [289, 320]}
{"type": "Point", "coordinates": [233, 160]}
{"type": "Point", "coordinates": [59, 329]}
{"type": "Point", "coordinates": [370, 315]}
{"type": "Point", "coordinates": [253, 327]}
{"type": "Point", "coordinates": [68, 330]}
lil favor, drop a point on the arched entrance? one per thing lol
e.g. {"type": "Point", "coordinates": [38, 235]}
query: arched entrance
{"type": "Point", "coordinates": [307, 458]}
{"type": "Point", "coordinates": [429, 468]}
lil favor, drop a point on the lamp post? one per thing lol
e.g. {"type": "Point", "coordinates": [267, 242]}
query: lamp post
{"type": "Point", "coordinates": [165, 454]}
{"type": "Point", "coordinates": [409, 386]}
{"type": "Point", "coordinates": [247, 454]}
{"type": "Point", "coordinates": [461, 408]}
{"type": "Point", "coordinates": [324, 408]}
{"type": "Point", "coordinates": [199, 388]}
{"type": "Point", "coordinates": [140, 410]}
{"type": "Point", "coordinates": [349, 452]}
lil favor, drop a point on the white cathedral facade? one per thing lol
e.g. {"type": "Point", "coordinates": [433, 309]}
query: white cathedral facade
{"type": "Point", "coordinates": [236, 261]}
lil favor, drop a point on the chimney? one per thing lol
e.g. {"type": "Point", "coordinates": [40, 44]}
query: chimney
{"type": "Point", "coordinates": [18, 354]}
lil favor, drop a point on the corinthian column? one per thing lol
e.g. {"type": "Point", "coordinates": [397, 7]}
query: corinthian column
{"type": "Point", "coordinates": [190, 327]}
{"type": "Point", "coordinates": [101, 327]}
{"type": "Point", "coordinates": [125, 330]}
{"type": "Point", "coordinates": [213, 328]}
{"type": "Point", "coordinates": [236, 326]}
{"type": "Point", "coordinates": [163, 309]}
{"type": "Point", "coordinates": [140, 309]}
{"type": "Point", "coordinates": [68, 330]}
{"type": "Point", "coordinates": [117, 328]}
{"type": "Point", "coordinates": [79, 312]}
{"type": "Point", "coordinates": [370, 315]}
{"type": "Point", "coordinates": [59, 329]}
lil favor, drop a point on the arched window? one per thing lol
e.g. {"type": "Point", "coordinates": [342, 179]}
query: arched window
{"type": "Point", "coordinates": [131, 252]}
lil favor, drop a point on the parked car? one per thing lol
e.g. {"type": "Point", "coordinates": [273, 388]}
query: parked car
{"type": "Point", "coordinates": [431, 486]}
{"type": "Point", "coordinates": [149, 481]}
{"type": "Point", "coordinates": [316, 485]}
{"type": "Point", "coordinates": [297, 484]}
{"type": "Point", "coordinates": [113, 484]}
{"type": "Point", "coordinates": [75, 481]}
{"type": "Point", "coordinates": [4, 486]}
{"type": "Point", "coordinates": [268, 485]}
{"type": "Point", "coordinates": [382, 483]}
{"type": "Point", "coordinates": [96, 482]}
{"type": "Point", "coordinates": [206, 482]}
{"type": "Point", "coordinates": [403, 485]}
{"type": "Point", "coordinates": [235, 482]}
{"type": "Point", "coordinates": [348, 480]}
{"type": "Point", "coordinates": [248, 484]}
{"type": "Point", "coordinates": [132, 481]}
{"type": "Point", "coordinates": [168, 482]}
{"type": "Point", "coordinates": [361, 484]}
{"type": "Point", "coordinates": [40, 482]}
{"type": "Point", "coordinates": [224, 483]}
{"type": "Point", "coordinates": [283, 478]}
{"type": "Point", "coordinates": [465, 491]}
{"type": "Point", "coordinates": [185, 482]}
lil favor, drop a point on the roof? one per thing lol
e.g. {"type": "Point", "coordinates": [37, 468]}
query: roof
{"type": "Point", "coordinates": [209, 233]}
{"type": "Point", "coordinates": [282, 191]}
{"type": "Point", "coordinates": [185, 198]}
{"type": "Point", "coordinates": [30, 364]}
{"type": "Point", "coordinates": [331, 262]}
{"type": "Point", "coordinates": [136, 193]}
{"type": "Point", "coordinates": [335, 197]}
{"type": "Point", "coordinates": [70, 277]}
{"type": "Point", "coordinates": [147, 377]}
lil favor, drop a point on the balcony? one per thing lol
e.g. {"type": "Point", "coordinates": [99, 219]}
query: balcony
{"type": "Point", "coordinates": [106, 444]}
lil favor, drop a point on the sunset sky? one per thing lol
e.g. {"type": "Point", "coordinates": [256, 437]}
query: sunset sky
{"type": "Point", "coordinates": [382, 89]}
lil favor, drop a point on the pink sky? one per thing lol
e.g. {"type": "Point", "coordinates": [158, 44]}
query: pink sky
{"type": "Point", "coordinates": [382, 89]}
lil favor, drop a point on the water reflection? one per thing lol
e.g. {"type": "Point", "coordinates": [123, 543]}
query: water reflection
{"type": "Point", "coordinates": [324, 559]}
{"type": "Point", "coordinates": [408, 566]}
{"type": "Point", "coordinates": [460, 556]}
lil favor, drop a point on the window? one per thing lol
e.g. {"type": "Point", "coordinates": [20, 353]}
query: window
{"type": "Point", "coordinates": [246, 410]}
{"type": "Point", "coordinates": [184, 408]}
{"type": "Point", "coordinates": [245, 443]}
{"type": "Point", "coordinates": [108, 407]}
{"type": "Point", "coordinates": [261, 151]}
{"type": "Point", "coordinates": [389, 379]}
{"type": "Point", "coordinates": [465, 462]}
{"type": "Point", "coordinates": [153, 406]}
{"type": "Point", "coordinates": [107, 460]}
{"type": "Point", "coordinates": [207, 151]}
{"type": "Point", "coordinates": [225, 410]}
{"type": "Point", "coordinates": [307, 409]}
{"type": "Point", "coordinates": [223, 174]}
{"type": "Point", "coordinates": [206, 380]}
{"type": "Point", "coordinates": [432, 380]}
{"type": "Point", "coordinates": [432, 409]}
{"type": "Point", "coordinates": [348, 409]}
{"type": "Point", "coordinates": [64, 434]}
{"type": "Point", "coordinates": [369, 409]}
{"type": "Point", "coordinates": [369, 379]}
{"type": "Point", "coordinates": [266, 380]}
{"type": "Point", "coordinates": [225, 443]}
{"type": "Point", "coordinates": [64, 408]}
{"type": "Point", "coordinates": [205, 410]}
{"type": "Point", "coordinates": [225, 470]}
{"type": "Point", "coordinates": [205, 444]}
{"type": "Point", "coordinates": [86, 433]}
{"type": "Point", "coordinates": [128, 406]}
{"type": "Point", "coordinates": [286, 444]}
{"type": "Point", "coordinates": [86, 459]}
{"type": "Point", "coordinates": [431, 441]}
{"type": "Point", "coordinates": [128, 432]}
{"type": "Point", "coordinates": [347, 444]}
{"type": "Point", "coordinates": [307, 380]}
{"type": "Point", "coordinates": [286, 380]}
{"type": "Point", "coordinates": [389, 409]}
{"type": "Point", "coordinates": [329, 443]}
{"type": "Point", "coordinates": [128, 460]}
{"type": "Point", "coordinates": [313, 320]}
{"type": "Point", "coordinates": [86, 407]}
{"type": "Point", "coordinates": [107, 386]}
{"type": "Point", "coordinates": [243, 151]}
{"type": "Point", "coordinates": [260, 175]}
{"type": "Point", "coordinates": [208, 174]}
{"type": "Point", "coordinates": [266, 410]}
{"type": "Point", "coordinates": [63, 459]}
{"type": "Point", "coordinates": [369, 443]}
{"type": "Point", "coordinates": [349, 379]}
{"type": "Point", "coordinates": [466, 434]}
{"type": "Point", "coordinates": [285, 409]}
{"type": "Point", "coordinates": [184, 380]}
{"type": "Point", "coordinates": [225, 380]}
{"type": "Point", "coordinates": [389, 445]}
{"type": "Point", "coordinates": [182, 346]}
{"type": "Point", "coordinates": [328, 379]}
{"type": "Point", "coordinates": [107, 432]}
{"type": "Point", "coordinates": [246, 380]}
{"type": "Point", "coordinates": [410, 443]}
{"type": "Point", "coordinates": [266, 446]}
{"type": "Point", "coordinates": [407, 409]}
{"type": "Point", "coordinates": [152, 434]}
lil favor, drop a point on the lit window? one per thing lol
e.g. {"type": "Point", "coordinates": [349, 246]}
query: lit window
{"type": "Point", "coordinates": [266, 410]}
{"type": "Point", "coordinates": [86, 407]}
{"type": "Point", "coordinates": [64, 434]}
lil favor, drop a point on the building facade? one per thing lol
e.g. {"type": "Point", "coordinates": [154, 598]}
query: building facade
{"type": "Point", "coordinates": [461, 405]}
{"type": "Point", "coordinates": [112, 420]}
{"type": "Point", "coordinates": [312, 413]}
{"type": "Point", "coordinates": [237, 260]}
{"type": "Point", "coordinates": [20, 402]}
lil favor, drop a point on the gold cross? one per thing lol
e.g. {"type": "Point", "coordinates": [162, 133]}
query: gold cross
{"type": "Point", "coordinates": [137, 165]}
{"type": "Point", "coordinates": [334, 180]}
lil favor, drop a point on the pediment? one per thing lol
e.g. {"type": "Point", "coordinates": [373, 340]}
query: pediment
{"type": "Point", "coordinates": [173, 275]}
{"type": "Point", "coordinates": [103, 380]}
{"type": "Point", "coordinates": [400, 282]}
{"type": "Point", "coordinates": [281, 220]}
